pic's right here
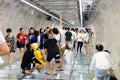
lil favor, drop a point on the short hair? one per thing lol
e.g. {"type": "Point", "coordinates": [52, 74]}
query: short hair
{"type": "Point", "coordinates": [68, 28]}
{"type": "Point", "coordinates": [31, 28]}
{"type": "Point", "coordinates": [99, 47]}
{"type": "Point", "coordinates": [81, 30]}
{"type": "Point", "coordinates": [46, 36]}
{"type": "Point", "coordinates": [40, 30]}
{"type": "Point", "coordinates": [87, 30]}
{"type": "Point", "coordinates": [8, 30]}
{"type": "Point", "coordinates": [63, 27]}
{"type": "Point", "coordinates": [72, 29]}
{"type": "Point", "coordinates": [55, 31]}
{"type": "Point", "coordinates": [21, 29]}
{"type": "Point", "coordinates": [28, 46]}
{"type": "Point", "coordinates": [47, 28]}
{"type": "Point", "coordinates": [36, 33]}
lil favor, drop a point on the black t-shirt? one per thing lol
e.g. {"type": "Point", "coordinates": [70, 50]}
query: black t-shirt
{"type": "Point", "coordinates": [51, 46]}
{"type": "Point", "coordinates": [27, 57]}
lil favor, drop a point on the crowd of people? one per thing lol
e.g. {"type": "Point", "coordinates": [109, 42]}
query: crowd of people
{"type": "Point", "coordinates": [44, 45]}
{"type": "Point", "coordinates": [52, 42]}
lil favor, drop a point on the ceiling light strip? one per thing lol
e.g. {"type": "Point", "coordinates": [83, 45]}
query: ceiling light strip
{"type": "Point", "coordinates": [81, 14]}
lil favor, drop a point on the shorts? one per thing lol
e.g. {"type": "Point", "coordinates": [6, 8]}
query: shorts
{"type": "Point", "coordinates": [62, 51]}
{"type": "Point", "coordinates": [50, 56]}
{"type": "Point", "coordinates": [86, 42]}
{"type": "Point", "coordinates": [26, 66]}
{"type": "Point", "coordinates": [20, 45]}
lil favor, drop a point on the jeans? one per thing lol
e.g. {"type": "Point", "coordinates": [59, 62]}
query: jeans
{"type": "Point", "coordinates": [80, 44]}
{"type": "Point", "coordinates": [101, 73]}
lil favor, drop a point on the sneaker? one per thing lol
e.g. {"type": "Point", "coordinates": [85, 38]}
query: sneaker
{"type": "Point", "coordinates": [60, 69]}
{"type": "Point", "coordinates": [19, 62]}
{"type": "Point", "coordinates": [10, 67]}
{"type": "Point", "coordinates": [27, 76]}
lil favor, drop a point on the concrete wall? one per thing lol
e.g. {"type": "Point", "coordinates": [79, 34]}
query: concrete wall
{"type": "Point", "coordinates": [14, 14]}
{"type": "Point", "coordinates": [106, 21]}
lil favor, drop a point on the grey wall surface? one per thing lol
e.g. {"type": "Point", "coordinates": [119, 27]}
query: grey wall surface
{"type": "Point", "coordinates": [14, 14]}
{"type": "Point", "coordinates": [106, 21]}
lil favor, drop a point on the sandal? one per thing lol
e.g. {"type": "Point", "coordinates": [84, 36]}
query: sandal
{"type": "Point", "coordinates": [47, 73]}
{"type": "Point", "coordinates": [55, 73]}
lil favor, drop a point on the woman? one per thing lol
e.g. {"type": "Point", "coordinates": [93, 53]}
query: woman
{"type": "Point", "coordinates": [101, 61]}
{"type": "Point", "coordinates": [86, 40]}
{"type": "Point", "coordinates": [21, 37]}
{"type": "Point", "coordinates": [10, 39]}
{"type": "Point", "coordinates": [80, 38]}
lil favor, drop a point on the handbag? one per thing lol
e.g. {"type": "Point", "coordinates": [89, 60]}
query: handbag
{"type": "Point", "coordinates": [110, 72]}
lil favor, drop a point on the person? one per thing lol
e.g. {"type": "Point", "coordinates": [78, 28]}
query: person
{"type": "Point", "coordinates": [101, 61]}
{"type": "Point", "coordinates": [4, 49]}
{"type": "Point", "coordinates": [21, 37]}
{"type": "Point", "coordinates": [80, 39]}
{"type": "Point", "coordinates": [46, 30]}
{"type": "Point", "coordinates": [41, 46]}
{"type": "Point", "coordinates": [67, 54]}
{"type": "Point", "coordinates": [10, 39]}
{"type": "Point", "coordinates": [86, 40]}
{"type": "Point", "coordinates": [91, 36]}
{"type": "Point", "coordinates": [51, 49]}
{"type": "Point", "coordinates": [32, 36]}
{"type": "Point", "coordinates": [57, 34]}
{"type": "Point", "coordinates": [68, 37]}
{"type": "Point", "coordinates": [27, 60]}
{"type": "Point", "coordinates": [38, 59]}
{"type": "Point", "coordinates": [62, 48]}
{"type": "Point", "coordinates": [73, 38]}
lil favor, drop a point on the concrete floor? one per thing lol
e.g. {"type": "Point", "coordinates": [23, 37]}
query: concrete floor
{"type": "Point", "coordinates": [77, 70]}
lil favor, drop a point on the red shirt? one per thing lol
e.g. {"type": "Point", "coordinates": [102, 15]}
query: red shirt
{"type": "Point", "coordinates": [21, 37]}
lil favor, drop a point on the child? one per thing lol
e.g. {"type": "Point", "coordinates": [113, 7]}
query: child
{"type": "Point", "coordinates": [67, 54]}
{"type": "Point", "coordinates": [27, 60]}
{"type": "Point", "coordinates": [38, 59]}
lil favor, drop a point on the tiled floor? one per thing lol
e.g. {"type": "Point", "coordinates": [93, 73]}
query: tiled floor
{"type": "Point", "coordinates": [77, 70]}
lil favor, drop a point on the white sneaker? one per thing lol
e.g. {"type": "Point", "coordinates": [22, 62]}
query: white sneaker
{"type": "Point", "coordinates": [10, 67]}
{"type": "Point", "coordinates": [19, 62]}
{"type": "Point", "coordinates": [27, 76]}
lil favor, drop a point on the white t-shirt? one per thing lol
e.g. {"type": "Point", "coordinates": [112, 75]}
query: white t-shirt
{"type": "Point", "coordinates": [101, 60]}
{"type": "Point", "coordinates": [38, 40]}
{"type": "Point", "coordinates": [57, 37]}
{"type": "Point", "coordinates": [86, 37]}
{"type": "Point", "coordinates": [62, 38]}
{"type": "Point", "coordinates": [73, 35]}
{"type": "Point", "coordinates": [2, 39]}
{"type": "Point", "coordinates": [80, 37]}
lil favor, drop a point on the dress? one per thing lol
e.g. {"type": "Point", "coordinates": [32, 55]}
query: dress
{"type": "Point", "coordinates": [11, 41]}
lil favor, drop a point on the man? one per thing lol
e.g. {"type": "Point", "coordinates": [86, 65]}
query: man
{"type": "Point", "coordinates": [4, 49]}
{"type": "Point", "coordinates": [68, 38]}
{"type": "Point", "coordinates": [51, 48]}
